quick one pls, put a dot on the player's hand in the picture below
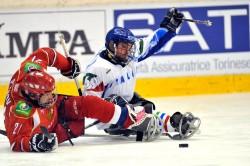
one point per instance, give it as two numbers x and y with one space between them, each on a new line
40 143
172 20
74 71
118 100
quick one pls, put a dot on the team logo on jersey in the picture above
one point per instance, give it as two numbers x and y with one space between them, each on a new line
29 66
88 77
23 109
91 81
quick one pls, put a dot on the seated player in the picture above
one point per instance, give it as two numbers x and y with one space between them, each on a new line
113 71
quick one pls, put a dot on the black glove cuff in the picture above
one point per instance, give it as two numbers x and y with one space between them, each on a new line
74 71
172 20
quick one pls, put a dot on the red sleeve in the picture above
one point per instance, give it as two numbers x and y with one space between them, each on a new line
49 57
19 130
23 121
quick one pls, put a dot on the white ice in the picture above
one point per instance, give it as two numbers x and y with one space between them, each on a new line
224 140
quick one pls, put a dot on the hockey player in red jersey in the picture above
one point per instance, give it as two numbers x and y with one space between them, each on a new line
31 104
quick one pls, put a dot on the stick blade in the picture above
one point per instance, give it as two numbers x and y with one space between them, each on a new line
3 132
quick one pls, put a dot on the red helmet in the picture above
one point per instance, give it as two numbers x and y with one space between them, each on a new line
37 83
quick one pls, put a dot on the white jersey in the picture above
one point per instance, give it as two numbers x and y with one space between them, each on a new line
103 78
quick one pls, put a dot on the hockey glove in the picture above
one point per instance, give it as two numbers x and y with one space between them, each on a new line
74 71
118 100
172 20
40 143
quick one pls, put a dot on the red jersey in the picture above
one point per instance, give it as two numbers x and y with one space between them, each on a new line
22 119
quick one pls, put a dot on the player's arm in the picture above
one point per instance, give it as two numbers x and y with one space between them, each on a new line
154 42
23 132
17 133
44 57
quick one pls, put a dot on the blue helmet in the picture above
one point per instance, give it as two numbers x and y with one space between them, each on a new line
117 35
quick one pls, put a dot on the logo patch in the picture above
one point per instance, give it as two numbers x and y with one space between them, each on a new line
29 66
88 77
23 109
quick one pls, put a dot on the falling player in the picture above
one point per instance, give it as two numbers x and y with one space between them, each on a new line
31 104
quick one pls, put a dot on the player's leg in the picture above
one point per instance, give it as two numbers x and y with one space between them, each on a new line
68 130
114 129
136 100
183 126
77 108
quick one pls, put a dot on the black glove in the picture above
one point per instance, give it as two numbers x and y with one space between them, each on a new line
118 100
40 143
172 20
74 71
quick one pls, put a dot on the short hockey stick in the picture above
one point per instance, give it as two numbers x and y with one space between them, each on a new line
205 22
62 42
3 132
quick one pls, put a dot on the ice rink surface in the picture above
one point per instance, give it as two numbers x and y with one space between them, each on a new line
224 140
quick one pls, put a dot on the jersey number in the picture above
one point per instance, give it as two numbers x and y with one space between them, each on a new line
17 128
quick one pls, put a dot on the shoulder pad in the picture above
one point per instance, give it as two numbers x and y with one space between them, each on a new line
23 109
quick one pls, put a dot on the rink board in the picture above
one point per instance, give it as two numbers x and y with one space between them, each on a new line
173 86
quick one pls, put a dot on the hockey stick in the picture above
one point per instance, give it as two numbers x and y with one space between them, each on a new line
139 135
45 131
3 132
92 124
205 22
62 42
174 137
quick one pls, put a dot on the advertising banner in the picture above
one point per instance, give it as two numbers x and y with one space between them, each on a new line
25 31
222 48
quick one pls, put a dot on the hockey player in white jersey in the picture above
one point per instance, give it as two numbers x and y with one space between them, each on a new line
112 73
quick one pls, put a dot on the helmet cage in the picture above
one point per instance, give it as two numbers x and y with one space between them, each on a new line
120 35
49 102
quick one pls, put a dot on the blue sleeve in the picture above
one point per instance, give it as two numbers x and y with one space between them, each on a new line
155 42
